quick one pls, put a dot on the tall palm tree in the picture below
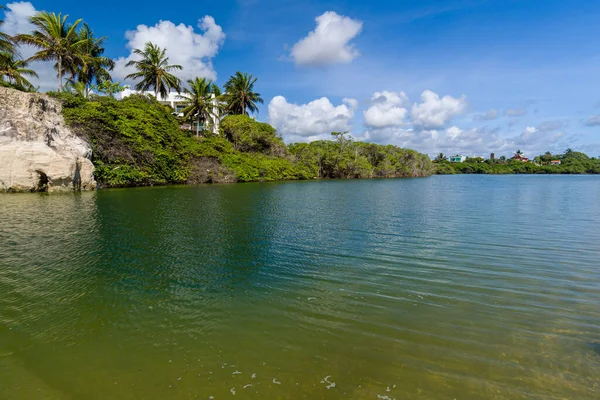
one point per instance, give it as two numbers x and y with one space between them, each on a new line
13 72
6 42
440 157
56 40
201 100
154 71
240 95
92 65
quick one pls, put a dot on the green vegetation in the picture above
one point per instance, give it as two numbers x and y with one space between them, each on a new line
240 95
571 162
345 158
199 101
137 141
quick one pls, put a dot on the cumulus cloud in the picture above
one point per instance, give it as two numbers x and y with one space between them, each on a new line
387 109
435 112
312 121
329 43
491 114
515 112
16 20
594 120
192 50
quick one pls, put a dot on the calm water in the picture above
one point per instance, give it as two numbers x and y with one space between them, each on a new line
453 287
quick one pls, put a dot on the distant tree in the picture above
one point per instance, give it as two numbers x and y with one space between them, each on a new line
440 157
518 153
200 101
110 88
502 158
153 71
14 72
240 95
56 40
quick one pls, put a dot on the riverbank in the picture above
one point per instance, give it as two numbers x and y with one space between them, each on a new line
570 163
137 141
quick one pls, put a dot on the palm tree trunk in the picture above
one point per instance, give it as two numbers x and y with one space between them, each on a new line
59 64
197 125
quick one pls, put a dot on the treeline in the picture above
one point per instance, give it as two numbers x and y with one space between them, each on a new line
137 141
571 162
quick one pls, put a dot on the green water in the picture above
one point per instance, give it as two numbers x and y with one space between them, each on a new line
452 287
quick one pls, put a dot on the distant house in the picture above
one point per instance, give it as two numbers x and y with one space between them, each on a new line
178 102
492 156
555 162
457 158
520 157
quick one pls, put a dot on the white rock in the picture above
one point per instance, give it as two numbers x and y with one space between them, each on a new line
37 150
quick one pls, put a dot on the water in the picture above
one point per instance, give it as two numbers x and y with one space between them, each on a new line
447 287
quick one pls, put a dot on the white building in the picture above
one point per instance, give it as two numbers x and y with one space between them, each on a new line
178 102
458 158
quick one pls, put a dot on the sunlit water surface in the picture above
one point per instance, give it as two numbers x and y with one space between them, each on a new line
453 287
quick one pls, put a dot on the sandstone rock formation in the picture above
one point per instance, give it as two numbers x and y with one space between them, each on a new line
38 152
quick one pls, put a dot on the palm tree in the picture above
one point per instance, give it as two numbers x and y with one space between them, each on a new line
56 40
240 95
92 65
154 71
440 157
6 43
13 72
201 100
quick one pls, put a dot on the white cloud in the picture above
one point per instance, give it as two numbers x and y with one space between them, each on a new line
16 20
386 109
435 112
547 126
530 130
311 121
193 51
491 114
329 43
593 120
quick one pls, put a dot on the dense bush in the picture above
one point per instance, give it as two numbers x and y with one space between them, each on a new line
345 158
571 163
136 141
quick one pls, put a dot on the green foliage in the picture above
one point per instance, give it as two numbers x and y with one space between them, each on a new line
154 71
345 158
13 72
109 88
572 162
248 135
240 95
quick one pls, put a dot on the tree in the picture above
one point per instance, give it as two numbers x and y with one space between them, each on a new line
13 72
153 70
200 101
440 157
6 42
110 88
240 95
56 40
518 153
91 65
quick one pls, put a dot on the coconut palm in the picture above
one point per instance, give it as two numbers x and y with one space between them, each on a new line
56 40
13 72
153 70
440 157
91 65
240 95
202 98
6 43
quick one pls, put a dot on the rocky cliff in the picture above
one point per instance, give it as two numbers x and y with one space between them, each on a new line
38 152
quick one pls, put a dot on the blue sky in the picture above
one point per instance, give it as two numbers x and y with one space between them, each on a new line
498 75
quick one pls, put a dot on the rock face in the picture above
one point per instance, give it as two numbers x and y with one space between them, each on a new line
38 152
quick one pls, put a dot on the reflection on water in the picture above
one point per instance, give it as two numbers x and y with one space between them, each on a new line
448 287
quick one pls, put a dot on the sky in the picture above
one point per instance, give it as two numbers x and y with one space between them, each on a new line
465 77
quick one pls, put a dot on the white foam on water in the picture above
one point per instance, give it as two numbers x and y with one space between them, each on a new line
312 298
253 376
236 373
329 384
247 386
232 391
275 381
